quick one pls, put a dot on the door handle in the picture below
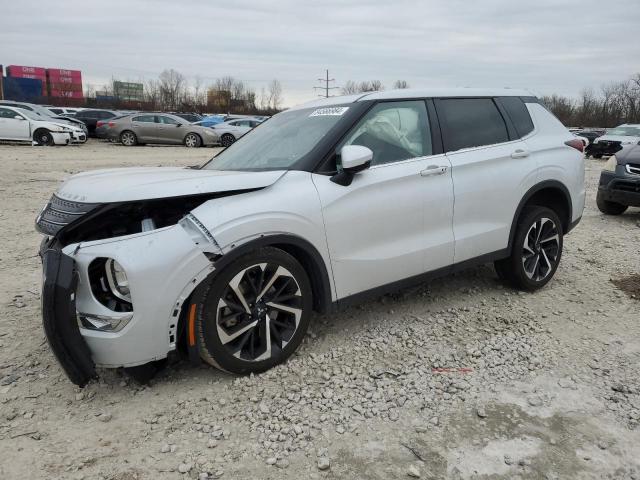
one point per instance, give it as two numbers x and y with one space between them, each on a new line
519 153
434 170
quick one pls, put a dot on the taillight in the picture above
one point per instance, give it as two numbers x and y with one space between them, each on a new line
575 143
99 123
112 124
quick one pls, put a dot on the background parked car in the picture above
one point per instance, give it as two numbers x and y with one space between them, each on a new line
162 128
188 116
91 116
210 120
26 126
230 131
590 133
64 111
44 114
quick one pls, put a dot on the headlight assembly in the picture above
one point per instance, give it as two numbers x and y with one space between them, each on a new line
611 164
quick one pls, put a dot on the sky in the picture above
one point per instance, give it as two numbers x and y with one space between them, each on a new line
546 46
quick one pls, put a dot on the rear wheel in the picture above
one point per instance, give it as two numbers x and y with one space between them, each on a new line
128 138
192 140
609 208
227 139
254 313
536 251
43 137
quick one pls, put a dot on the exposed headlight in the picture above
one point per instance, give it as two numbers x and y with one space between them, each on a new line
103 323
611 164
117 278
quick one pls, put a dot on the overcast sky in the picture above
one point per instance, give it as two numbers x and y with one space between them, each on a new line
546 46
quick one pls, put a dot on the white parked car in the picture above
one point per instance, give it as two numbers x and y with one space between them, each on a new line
323 205
21 125
232 130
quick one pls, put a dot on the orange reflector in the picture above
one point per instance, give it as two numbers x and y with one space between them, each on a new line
192 325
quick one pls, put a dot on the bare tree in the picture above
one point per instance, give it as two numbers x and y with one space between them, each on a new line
376 85
275 94
400 84
350 87
172 88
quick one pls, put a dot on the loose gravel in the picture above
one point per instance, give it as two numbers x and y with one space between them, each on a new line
459 378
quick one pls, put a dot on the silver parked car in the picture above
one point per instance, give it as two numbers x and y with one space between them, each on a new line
141 128
232 130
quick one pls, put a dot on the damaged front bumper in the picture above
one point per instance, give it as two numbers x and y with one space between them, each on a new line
59 315
163 267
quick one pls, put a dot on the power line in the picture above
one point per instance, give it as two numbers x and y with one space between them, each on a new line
326 86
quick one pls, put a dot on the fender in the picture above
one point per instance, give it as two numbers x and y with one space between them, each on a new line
530 193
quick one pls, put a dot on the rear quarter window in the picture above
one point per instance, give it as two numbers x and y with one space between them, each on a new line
471 122
519 115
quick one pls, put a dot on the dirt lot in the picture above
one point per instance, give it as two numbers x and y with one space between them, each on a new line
460 378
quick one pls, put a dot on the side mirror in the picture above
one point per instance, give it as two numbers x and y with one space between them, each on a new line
354 159
178 124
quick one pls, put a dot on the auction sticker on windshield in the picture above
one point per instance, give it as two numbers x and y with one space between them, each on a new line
334 111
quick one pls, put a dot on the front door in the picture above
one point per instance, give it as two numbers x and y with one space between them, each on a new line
12 128
395 219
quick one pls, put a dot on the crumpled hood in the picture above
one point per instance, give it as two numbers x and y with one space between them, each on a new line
145 183
617 138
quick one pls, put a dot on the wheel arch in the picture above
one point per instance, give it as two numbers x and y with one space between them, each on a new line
184 139
551 194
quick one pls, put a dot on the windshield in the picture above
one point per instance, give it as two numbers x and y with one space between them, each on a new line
628 131
30 115
279 142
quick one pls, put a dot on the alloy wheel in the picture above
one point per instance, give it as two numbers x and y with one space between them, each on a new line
191 141
128 139
259 312
541 249
227 140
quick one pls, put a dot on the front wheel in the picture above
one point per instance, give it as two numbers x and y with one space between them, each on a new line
227 139
536 250
609 208
254 313
43 137
192 140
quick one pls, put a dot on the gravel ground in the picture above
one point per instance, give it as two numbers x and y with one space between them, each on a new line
460 378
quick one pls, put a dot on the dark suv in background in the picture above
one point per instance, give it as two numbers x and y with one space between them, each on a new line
619 186
91 117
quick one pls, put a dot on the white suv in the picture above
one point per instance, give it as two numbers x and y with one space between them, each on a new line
319 206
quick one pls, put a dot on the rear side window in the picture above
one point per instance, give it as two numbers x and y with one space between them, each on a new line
519 115
471 122
145 118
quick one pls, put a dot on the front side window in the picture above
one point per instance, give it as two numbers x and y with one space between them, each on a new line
6 113
167 120
393 131
280 142
471 122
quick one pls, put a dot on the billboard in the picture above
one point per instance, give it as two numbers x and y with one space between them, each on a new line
128 91
21 89
35 73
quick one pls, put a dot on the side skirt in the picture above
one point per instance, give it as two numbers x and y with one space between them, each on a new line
360 297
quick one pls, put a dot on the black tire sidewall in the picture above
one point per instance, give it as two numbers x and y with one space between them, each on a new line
39 133
517 273
210 345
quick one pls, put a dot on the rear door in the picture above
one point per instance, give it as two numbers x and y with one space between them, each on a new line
394 220
491 169
145 126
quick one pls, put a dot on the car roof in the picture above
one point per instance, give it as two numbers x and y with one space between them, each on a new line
399 94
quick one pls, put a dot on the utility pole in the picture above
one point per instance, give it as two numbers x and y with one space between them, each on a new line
326 86
1 83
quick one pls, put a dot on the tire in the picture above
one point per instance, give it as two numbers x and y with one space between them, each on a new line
227 140
192 140
128 138
609 208
536 251
226 338
43 137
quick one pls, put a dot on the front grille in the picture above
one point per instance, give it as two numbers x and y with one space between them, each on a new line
633 168
59 213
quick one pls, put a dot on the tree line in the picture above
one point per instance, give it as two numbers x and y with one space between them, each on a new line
172 91
611 105
350 86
